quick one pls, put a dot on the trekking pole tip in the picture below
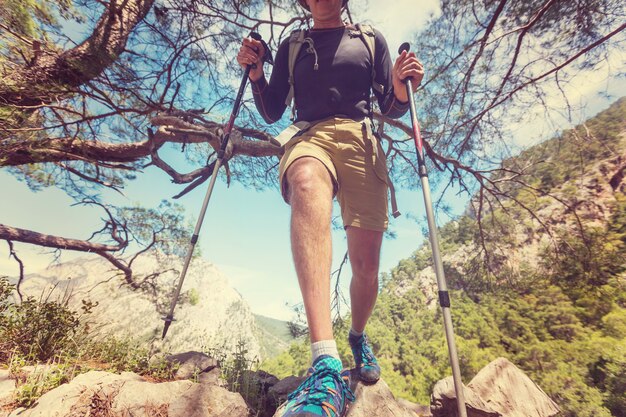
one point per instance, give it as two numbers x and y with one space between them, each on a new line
404 47
168 321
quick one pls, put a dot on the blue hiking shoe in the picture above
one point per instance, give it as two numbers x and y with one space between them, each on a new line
366 364
325 392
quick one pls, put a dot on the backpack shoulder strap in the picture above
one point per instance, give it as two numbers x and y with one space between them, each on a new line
295 44
368 36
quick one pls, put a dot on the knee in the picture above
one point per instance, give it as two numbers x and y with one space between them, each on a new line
307 180
365 270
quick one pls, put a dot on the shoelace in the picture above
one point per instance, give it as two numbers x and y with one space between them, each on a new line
367 355
317 393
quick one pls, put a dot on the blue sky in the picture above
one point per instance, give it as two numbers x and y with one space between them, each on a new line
246 233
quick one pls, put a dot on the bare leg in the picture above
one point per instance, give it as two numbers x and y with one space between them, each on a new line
364 253
310 197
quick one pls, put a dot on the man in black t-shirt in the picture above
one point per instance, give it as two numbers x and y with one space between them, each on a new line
336 155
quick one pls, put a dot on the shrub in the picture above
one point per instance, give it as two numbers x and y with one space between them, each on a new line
36 329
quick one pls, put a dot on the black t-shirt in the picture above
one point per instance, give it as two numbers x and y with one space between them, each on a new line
341 86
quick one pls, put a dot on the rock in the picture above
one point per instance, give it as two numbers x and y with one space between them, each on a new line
213 377
113 395
204 400
7 385
507 389
277 394
374 400
500 389
191 364
255 387
417 409
443 401
7 388
284 387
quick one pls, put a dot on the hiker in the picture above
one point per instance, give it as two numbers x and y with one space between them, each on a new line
330 71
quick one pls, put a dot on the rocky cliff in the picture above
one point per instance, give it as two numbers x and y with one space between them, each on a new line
211 315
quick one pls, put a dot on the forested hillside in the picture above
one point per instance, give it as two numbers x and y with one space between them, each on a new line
549 296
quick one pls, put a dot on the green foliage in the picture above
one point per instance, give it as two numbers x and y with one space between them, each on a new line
23 16
234 367
127 355
36 329
294 361
588 267
570 155
194 296
237 371
42 380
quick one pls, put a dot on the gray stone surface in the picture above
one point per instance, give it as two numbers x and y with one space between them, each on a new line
507 389
191 364
102 393
7 388
500 389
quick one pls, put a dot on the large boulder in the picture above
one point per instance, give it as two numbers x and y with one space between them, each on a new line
500 389
507 389
103 393
443 401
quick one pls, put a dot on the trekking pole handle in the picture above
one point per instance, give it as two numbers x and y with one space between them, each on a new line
242 86
256 37
267 55
417 135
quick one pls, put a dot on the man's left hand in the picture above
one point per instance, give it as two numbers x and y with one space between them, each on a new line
407 66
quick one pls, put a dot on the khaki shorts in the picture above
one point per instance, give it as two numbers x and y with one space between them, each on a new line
356 163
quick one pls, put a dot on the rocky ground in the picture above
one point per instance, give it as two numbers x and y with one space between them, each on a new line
499 390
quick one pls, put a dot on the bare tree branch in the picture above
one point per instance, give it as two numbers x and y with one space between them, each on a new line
13 254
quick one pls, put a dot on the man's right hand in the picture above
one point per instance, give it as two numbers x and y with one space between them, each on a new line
252 52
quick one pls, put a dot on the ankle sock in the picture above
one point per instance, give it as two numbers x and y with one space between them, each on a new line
354 334
324 347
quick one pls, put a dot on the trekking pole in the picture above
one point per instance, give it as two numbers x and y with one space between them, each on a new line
444 297
218 162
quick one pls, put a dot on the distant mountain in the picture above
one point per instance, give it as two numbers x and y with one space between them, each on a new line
210 316
275 336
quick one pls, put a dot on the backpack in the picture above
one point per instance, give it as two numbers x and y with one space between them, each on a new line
298 39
